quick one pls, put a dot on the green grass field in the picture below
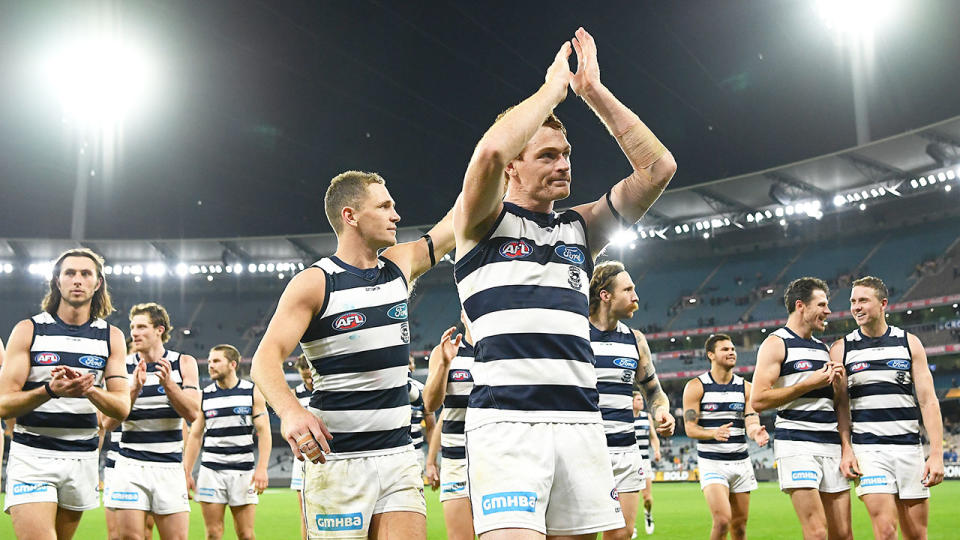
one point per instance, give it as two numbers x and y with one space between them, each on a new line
679 510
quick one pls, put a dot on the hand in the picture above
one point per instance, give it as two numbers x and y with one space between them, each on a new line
849 466
722 433
825 375
260 480
164 367
140 376
656 455
933 470
558 74
191 485
306 434
664 422
433 476
67 382
761 437
448 347
587 76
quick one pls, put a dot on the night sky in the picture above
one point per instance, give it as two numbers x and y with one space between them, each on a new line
258 104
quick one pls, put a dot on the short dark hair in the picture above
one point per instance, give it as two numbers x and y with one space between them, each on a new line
230 352
711 344
802 289
603 276
874 283
347 189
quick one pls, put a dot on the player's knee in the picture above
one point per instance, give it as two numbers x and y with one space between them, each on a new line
214 532
885 529
246 534
815 531
721 522
738 528
623 533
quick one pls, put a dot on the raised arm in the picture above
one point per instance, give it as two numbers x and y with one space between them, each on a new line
653 166
653 394
929 411
415 258
479 203
435 389
301 300
261 423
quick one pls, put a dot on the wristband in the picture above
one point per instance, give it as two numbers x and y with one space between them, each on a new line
46 386
433 257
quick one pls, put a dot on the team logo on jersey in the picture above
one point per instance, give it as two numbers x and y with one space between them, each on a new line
509 501
859 366
736 406
802 365
211 413
515 249
626 376
405 332
46 358
242 410
625 363
398 312
459 375
339 522
349 321
94 362
899 364
573 277
614 494
710 406
570 253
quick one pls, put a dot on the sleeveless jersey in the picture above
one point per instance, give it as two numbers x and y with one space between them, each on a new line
883 407
66 426
228 437
153 430
808 424
617 360
416 412
524 289
722 404
359 346
641 428
112 448
303 395
459 385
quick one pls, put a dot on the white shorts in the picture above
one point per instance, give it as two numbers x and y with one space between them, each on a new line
69 482
453 479
548 477
737 475
647 471
628 472
341 495
805 471
233 488
422 460
898 473
296 475
160 488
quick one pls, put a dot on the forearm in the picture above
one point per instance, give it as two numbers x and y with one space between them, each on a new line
639 145
20 403
435 388
434 446
442 236
114 404
696 431
264 444
506 138
933 423
655 396
775 397
184 402
751 425
267 374
191 450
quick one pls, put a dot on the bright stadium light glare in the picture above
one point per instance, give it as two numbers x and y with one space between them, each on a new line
686 228
181 269
951 175
238 268
947 188
863 207
623 237
839 201
923 182
270 267
854 17
7 268
252 268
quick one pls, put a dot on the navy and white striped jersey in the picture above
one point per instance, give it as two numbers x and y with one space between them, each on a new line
723 404
617 359
808 424
524 289
303 394
416 412
883 407
228 418
459 385
641 429
153 430
112 447
359 347
64 427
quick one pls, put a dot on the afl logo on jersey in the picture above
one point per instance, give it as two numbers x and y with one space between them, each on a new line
859 366
460 375
899 364
211 413
398 312
46 359
515 249
626 363
349 321
802 365
710 406
570 253
94 362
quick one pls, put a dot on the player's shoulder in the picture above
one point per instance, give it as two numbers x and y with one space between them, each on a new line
210 388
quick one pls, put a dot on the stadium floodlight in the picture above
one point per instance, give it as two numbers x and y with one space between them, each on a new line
856 17
699 226
706 236
300 266
181 269
194 269
252 268
789 210
779 211
209 277
922 181
942 177
678 229
261 267
7 268
137 279
749 218
686 228
156 269
914 184
107 270
623 237
270 267
280 275
950 174
947 188
863 207
204 269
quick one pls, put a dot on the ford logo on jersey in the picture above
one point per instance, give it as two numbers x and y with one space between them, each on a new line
802 365
899 364
94 362
625 363
710 406
859 366
349 321
46 358
570 253
211 413
398 312
515 249
736 406
242 410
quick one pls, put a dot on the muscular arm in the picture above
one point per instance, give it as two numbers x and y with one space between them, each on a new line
764 395
929 411
647 380
261 424
191 449
655 444
841 399
433 441
692 394
751 418
185 397
14 400
114 402
435 388
413 258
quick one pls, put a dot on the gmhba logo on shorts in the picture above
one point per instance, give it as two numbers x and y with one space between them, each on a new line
124 496
509 501
26 489
340 522
805 475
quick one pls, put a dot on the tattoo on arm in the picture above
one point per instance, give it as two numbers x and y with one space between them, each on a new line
691 415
